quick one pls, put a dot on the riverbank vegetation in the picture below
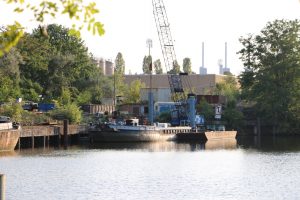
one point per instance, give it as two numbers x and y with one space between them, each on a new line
271 77
59 69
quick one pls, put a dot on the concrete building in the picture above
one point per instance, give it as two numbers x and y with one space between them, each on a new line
109 67
200 85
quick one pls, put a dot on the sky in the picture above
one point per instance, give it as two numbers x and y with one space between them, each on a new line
129 23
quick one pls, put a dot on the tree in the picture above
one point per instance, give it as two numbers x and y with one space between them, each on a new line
60 60
36 52
119 64
271 76
119 75
76 10
147 64
133 92
229 88
187 65
157 67
206 110
10 75
175 69
232 115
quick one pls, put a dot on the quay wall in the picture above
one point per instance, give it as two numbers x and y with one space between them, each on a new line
8 139
29 131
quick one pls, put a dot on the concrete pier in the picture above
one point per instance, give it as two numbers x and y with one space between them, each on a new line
43 136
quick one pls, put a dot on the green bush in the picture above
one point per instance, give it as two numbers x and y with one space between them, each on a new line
34 118
164 117
70 111
14 111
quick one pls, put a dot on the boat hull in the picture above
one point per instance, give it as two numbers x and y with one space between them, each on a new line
212 135
205 136
128 136
9 139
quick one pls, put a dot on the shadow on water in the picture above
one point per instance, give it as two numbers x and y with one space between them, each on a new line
270 144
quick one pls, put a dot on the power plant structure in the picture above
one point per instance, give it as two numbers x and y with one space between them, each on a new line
224 69
203 70
107 66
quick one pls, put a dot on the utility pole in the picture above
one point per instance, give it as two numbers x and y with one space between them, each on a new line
114 99
150 94
2 186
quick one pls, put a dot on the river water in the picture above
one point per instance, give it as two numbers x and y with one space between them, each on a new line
243 169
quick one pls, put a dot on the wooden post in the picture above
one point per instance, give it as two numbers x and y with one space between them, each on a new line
44 141
32 142
66 131
19 143
2 186
48 140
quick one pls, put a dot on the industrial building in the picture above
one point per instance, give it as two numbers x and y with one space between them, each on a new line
200 84
106 66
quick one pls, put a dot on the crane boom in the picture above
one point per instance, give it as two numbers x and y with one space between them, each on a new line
167 46
179 114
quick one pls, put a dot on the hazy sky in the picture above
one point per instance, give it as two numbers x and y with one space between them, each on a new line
129 23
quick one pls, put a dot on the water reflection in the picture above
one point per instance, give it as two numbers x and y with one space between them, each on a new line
265 144
169 146
270 144
221 144
7 153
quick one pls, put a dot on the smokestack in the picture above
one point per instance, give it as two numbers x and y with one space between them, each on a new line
202 54
225 55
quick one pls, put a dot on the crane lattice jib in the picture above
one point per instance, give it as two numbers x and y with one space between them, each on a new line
167 46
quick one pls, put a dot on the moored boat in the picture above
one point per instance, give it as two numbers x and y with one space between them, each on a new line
132 131
212 135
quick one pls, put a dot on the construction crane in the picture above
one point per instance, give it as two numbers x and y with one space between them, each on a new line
175 80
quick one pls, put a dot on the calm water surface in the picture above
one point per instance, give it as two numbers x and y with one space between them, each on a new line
247 169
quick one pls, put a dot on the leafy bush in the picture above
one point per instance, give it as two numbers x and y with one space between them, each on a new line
14 111
33 118
164 117
70 111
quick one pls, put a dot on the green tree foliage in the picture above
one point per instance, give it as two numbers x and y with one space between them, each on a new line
10 75
229 88
232 115
13 110
157 67
206 110
164 117
119 75
36 52
60 60
175 69
133 92
120 64
187 65
9 37
49 66
271 77
147 65
76 10
70 111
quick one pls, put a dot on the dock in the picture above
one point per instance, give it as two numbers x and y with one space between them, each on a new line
46 135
